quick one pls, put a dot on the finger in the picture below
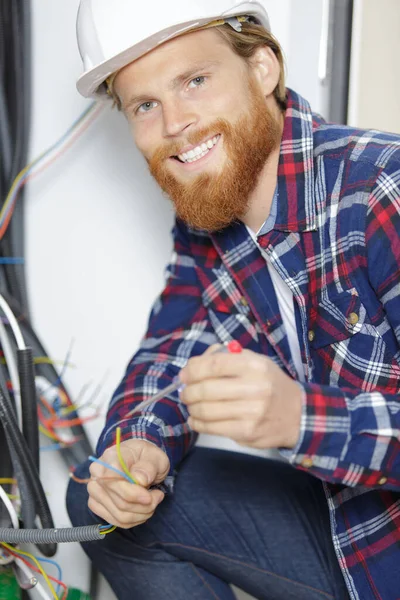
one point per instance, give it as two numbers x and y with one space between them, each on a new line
234 410
103 513
98 470
155 496
129 512
151 471
239 431
128 492
222 364
212 349
224 389
147 464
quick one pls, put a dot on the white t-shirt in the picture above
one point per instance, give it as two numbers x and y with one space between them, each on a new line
286 308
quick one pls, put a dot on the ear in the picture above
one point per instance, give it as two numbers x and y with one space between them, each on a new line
266 69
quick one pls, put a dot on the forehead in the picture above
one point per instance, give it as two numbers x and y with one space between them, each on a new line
177 54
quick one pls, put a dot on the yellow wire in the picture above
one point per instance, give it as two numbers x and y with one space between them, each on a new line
45 360
109 530
5 480
121 458
48 434
14 185
69 409
39 566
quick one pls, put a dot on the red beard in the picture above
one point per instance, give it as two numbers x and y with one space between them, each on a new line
213 201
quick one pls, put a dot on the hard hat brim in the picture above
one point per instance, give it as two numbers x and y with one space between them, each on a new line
90 83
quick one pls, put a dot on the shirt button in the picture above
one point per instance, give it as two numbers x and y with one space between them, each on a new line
382 481
307 462
353 318
311 335
243 301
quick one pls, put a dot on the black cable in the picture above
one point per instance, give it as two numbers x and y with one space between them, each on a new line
30 426
14 238
6 466
14 469
18 89
79 452
18 446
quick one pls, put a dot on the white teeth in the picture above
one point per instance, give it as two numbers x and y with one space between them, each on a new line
199 151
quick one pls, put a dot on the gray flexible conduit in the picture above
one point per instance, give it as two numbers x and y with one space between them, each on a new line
89 533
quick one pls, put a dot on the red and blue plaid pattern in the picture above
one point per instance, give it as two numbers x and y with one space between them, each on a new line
336 244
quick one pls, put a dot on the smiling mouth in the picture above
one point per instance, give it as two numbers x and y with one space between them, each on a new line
198 152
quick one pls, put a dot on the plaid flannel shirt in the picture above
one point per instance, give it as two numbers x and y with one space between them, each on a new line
335 242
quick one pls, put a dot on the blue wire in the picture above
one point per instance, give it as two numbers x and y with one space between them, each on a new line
93 459
105 527
53 562
51 447
46 153
9 260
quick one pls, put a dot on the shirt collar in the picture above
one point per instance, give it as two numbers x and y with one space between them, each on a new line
296 209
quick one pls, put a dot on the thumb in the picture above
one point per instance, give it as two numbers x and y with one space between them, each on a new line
144 472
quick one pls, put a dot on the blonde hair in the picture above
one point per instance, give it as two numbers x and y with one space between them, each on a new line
245 44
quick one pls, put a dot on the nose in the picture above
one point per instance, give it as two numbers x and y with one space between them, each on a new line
177 117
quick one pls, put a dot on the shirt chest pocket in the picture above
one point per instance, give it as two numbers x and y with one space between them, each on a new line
349 348
335 319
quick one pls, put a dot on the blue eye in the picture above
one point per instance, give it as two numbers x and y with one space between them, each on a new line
146 106
198 81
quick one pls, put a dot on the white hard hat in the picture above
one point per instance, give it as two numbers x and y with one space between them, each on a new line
113 33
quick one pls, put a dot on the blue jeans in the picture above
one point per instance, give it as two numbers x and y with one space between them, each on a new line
256 523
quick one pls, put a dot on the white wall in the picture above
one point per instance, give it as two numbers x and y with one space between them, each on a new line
97 226
374 73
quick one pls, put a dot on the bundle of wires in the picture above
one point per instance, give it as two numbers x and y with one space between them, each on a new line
62 535
20 345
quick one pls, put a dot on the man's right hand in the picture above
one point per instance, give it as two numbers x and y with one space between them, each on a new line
116 500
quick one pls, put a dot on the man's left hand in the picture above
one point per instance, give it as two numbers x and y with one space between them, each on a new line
244 396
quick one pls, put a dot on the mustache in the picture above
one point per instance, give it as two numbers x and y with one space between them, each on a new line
194 139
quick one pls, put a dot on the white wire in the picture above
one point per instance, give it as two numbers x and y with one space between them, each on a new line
12 367
9 506
38 587
13 323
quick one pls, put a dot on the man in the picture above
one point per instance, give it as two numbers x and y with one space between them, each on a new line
286 241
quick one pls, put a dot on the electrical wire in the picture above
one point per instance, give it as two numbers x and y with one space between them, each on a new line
12 368
61 146
13 550
104 464
121 458
10 508
13 323
78 452
27 569
57 566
